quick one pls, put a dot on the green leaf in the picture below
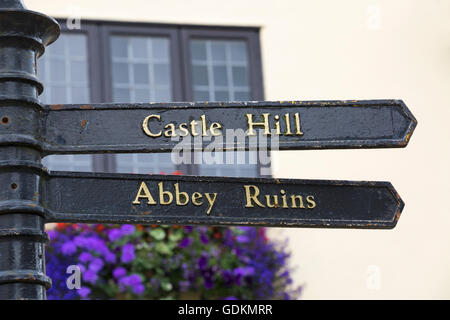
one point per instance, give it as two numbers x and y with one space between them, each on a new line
163 248
166 285
175 236
157 233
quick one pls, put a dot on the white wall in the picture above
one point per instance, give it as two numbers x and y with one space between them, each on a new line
343 50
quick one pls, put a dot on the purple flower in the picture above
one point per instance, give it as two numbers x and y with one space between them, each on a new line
231 298
85 257
79 241
110 257
82 267
90 276
132 281
204 239
68 248
244 271
242 239
184 285
52 234
96 265
114 234
127 253
202 262
119 272
227 276
127 229
186 242
84 292
138 289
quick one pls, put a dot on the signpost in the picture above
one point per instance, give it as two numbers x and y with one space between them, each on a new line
31 196
158 127
185 200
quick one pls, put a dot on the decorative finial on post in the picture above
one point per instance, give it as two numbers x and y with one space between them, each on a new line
11 4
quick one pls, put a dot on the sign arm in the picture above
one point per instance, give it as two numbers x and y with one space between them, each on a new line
187 200
159 127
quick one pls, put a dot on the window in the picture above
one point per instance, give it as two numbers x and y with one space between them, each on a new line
134 62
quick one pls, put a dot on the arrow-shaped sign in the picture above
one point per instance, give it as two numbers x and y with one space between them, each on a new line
160 127
184 200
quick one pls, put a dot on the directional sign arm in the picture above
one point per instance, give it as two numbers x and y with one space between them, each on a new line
159 199
297 125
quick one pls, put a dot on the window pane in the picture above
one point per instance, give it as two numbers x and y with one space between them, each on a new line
162 74
200 74
200 95
141 73
198 50
222 95
135 68
238 51
119 47
240 76
120 72
220 76
219 67
139 48
64 71
160 49
218 51
220 73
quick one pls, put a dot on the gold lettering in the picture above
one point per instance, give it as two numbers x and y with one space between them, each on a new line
272 205
277 124
204 127
251 124
287 120
143 192
297 124
178 194
294 204
193 131
163 193
147 129
183 129
214 126
283 197
311 202
252 197
211 201
196 196
170 132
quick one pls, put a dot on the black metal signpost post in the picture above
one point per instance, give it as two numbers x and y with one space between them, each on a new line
30 196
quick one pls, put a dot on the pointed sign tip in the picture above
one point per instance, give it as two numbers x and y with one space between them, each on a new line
412 122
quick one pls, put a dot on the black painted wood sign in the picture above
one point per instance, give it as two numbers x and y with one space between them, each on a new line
30 196
295 125
187 200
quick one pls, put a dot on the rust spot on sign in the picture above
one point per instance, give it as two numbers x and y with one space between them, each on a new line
56 106
86 107
83 123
